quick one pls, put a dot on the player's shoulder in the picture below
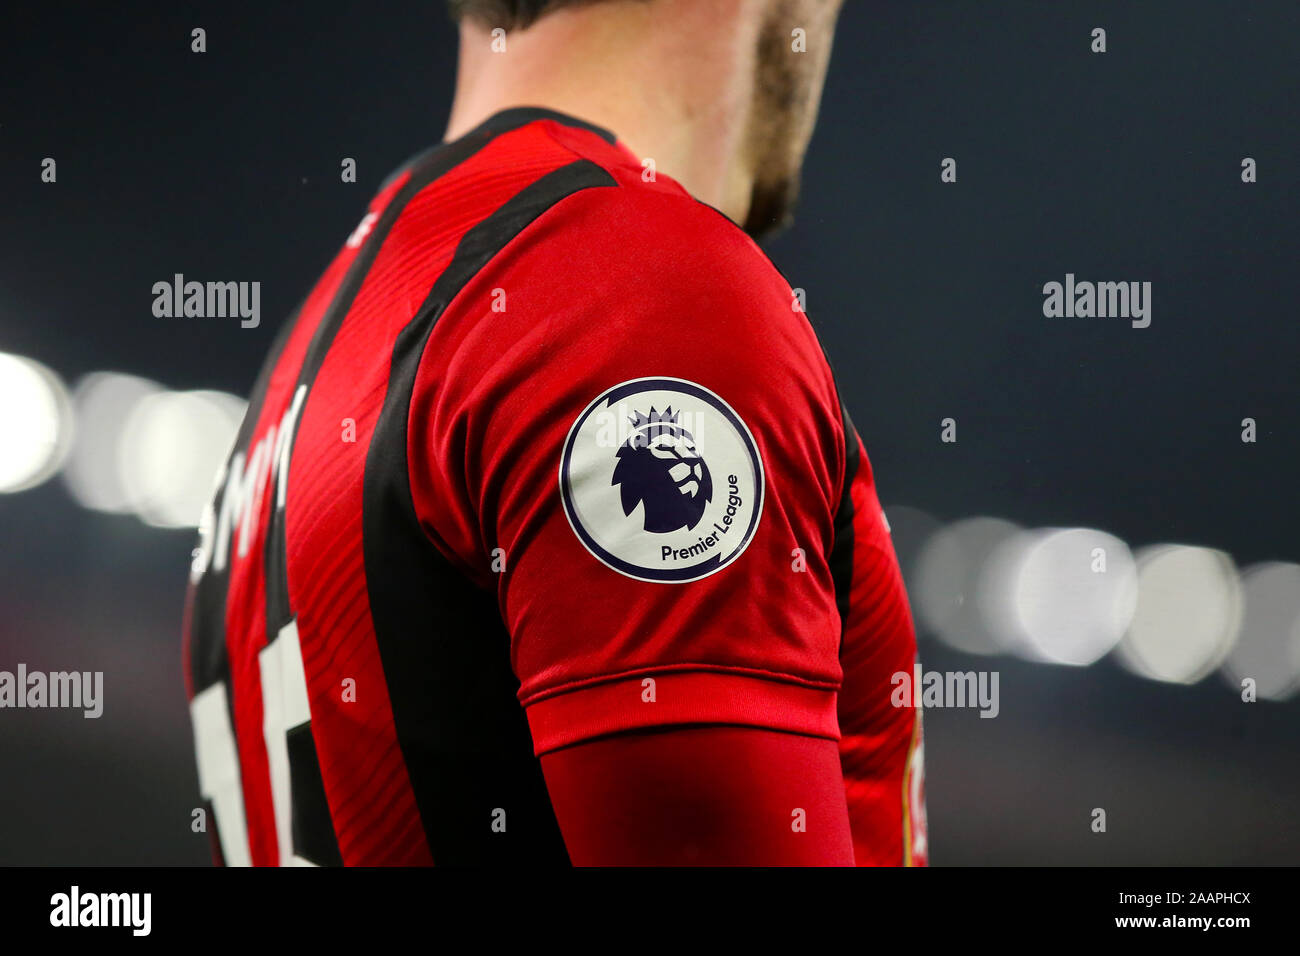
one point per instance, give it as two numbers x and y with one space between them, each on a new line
660 224
644 212
638 245
626 265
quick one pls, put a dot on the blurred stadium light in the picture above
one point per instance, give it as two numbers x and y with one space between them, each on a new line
39 423
1172 613
103 402
169 450
1188 615
1268 650
146 450
1074 593
954 591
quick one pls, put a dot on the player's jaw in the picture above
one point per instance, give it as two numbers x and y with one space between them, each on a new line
790 70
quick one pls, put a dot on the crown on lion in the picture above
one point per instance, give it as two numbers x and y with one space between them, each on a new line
647 428
666 417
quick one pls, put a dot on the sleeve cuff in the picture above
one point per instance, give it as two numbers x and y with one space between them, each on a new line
691 697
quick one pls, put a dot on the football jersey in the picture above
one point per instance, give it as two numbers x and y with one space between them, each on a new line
550 452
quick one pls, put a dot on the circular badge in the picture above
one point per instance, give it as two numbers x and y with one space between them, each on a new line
661 480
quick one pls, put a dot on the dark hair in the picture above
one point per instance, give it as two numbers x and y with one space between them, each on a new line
507 14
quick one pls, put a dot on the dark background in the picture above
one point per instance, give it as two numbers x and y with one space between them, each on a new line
928 297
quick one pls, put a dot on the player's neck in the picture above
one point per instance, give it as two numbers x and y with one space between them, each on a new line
667 78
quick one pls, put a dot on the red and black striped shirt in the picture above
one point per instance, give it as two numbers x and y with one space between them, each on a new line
549 453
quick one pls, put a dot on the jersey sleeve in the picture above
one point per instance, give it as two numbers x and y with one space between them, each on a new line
640 448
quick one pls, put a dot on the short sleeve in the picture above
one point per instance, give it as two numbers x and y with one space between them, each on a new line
646 443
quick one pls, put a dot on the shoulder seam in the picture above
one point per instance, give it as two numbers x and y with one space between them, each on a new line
577 156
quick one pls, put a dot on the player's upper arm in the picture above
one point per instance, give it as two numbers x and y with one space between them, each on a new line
645 438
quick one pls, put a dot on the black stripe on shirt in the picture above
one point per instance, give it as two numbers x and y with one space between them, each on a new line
842 550
445 650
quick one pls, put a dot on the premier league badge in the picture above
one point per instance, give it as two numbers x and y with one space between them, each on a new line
661 480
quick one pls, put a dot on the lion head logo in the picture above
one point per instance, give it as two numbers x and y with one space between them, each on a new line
660 467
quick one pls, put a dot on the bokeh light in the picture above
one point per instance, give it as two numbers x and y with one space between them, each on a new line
1074 594
38 423
1268 650
1188 613
169 451
953 585
103 402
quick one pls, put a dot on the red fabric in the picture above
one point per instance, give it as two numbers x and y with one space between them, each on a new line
621 283
681 695
681 293
712 796
611 284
